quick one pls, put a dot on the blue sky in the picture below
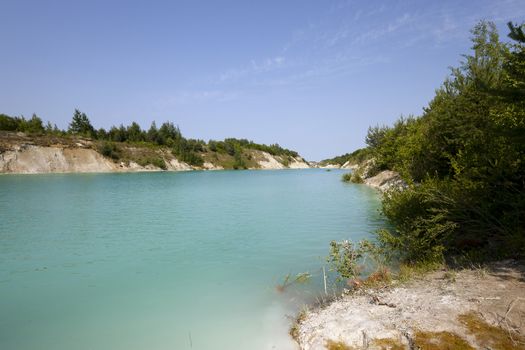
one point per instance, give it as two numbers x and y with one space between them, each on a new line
310 75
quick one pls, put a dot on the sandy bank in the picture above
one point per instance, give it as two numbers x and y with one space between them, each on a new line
22 154
443 301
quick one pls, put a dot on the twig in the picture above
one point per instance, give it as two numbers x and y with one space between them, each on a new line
324 279
505 320
376 300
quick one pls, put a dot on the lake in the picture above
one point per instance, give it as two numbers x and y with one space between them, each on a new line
186 260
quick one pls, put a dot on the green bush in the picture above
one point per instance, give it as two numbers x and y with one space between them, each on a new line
110 150
464 159
156 161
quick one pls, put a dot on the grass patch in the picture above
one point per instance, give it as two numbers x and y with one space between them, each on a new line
388 344
410 271
491 337
440 341
337 345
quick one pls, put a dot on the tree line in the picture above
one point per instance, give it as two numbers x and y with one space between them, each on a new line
168 134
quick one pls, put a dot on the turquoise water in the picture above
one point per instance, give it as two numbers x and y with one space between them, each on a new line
167 260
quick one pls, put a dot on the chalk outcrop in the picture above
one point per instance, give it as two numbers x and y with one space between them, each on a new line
330 166
349 165
298 163
29 159
367 173
23 154
268 161
386 180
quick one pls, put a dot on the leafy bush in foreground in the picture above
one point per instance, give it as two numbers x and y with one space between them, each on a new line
464 158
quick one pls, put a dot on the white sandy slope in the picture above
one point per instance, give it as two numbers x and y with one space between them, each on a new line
31 159
276 162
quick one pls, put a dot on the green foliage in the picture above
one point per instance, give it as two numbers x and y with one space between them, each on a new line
344 258
80 124
109 149
464 158
349 261
186 150
135 133
229 146
288 280
347 177
239 162
357 157
156 161
353 177
32 126
8 123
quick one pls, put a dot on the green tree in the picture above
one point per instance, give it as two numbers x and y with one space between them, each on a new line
466 154
153 133
80 124
33 125
9 123
135 133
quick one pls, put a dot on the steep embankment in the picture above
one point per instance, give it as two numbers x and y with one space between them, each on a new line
21 154
367 173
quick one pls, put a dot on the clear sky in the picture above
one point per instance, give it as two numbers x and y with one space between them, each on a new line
309 75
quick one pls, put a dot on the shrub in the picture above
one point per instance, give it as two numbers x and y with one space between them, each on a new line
156 161
110 150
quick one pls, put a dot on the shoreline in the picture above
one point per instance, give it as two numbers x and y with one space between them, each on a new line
154 171
25 155
477 308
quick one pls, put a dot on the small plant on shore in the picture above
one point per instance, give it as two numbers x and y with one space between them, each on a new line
409 271
345 259
349 260
294 328
353 177
357 178
289 280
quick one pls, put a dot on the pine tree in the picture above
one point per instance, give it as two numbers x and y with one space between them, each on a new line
80 124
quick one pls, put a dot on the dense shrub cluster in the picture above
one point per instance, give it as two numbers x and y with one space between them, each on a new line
34 125
464 158
230 145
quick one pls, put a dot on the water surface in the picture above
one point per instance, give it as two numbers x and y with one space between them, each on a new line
167 260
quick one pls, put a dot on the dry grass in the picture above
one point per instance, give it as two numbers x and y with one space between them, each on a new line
294 328
388 344
440 341
488 336
337 345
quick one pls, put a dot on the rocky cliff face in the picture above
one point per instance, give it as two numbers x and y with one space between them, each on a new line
268 161
386 180
20 154
29 159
